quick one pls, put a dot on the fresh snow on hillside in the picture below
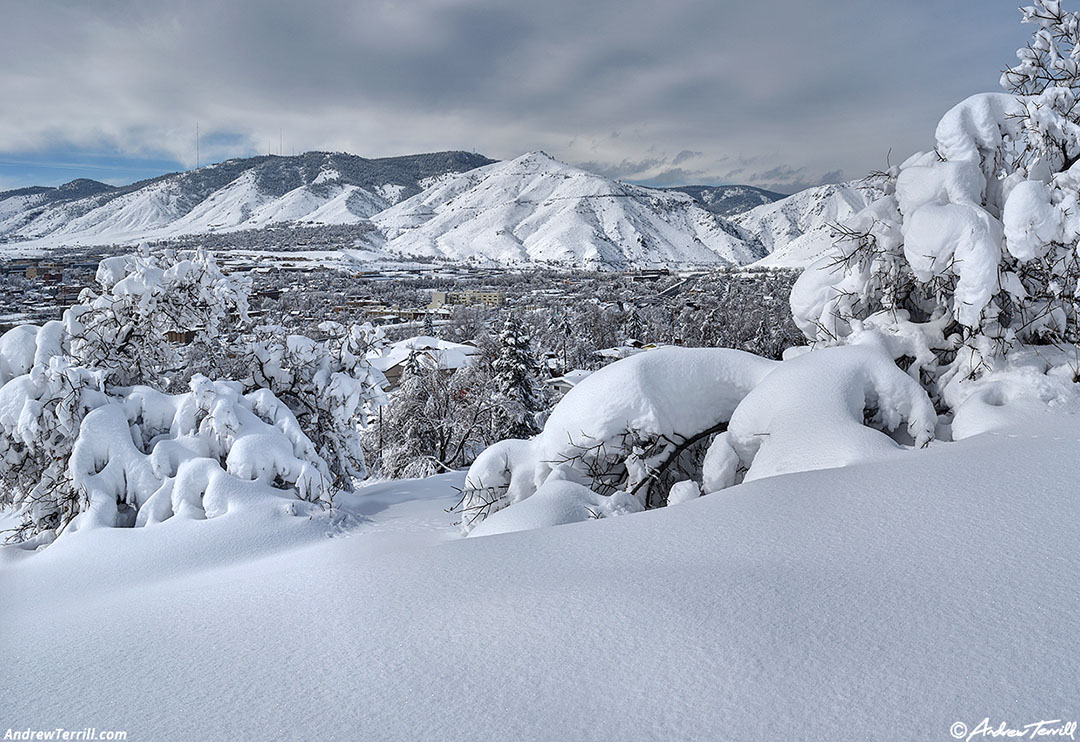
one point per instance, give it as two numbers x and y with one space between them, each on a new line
537 209
452 206
795 231
728 200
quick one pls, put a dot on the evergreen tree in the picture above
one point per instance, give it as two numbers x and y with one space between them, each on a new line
517 374
632 328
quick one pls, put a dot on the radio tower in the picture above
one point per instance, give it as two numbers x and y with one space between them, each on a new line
196 145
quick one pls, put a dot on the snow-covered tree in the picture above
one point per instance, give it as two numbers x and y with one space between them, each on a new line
157 319
41 414
329 385
521 396
1047 76
435 421
88 436
631 325
973 248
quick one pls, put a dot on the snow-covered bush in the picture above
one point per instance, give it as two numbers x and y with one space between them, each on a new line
662 427
74 455
149 456
822 409
635 426
41 414
89 436
330 386
973 248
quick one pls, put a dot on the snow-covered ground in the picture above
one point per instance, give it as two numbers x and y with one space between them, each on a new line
885 600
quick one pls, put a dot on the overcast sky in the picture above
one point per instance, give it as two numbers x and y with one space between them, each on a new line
781 94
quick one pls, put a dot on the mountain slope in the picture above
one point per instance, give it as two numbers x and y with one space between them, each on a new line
321 187
537 209
794 231
728 200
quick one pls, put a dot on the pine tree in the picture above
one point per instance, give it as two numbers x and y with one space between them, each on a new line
517 373
632 329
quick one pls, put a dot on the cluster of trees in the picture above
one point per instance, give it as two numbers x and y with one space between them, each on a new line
438 420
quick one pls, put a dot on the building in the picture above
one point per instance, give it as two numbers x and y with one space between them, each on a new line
441 299
562 384
432 352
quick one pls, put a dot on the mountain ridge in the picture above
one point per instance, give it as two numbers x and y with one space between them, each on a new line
454 206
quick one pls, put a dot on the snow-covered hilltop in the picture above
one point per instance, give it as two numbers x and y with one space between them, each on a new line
452 206
795 231
316 187
537 209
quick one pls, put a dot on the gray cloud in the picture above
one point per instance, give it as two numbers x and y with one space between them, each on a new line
737 91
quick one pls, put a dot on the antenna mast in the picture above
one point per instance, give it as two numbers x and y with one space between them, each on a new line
196 145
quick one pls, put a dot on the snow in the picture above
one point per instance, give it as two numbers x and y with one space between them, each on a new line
808 413
530 209
17 348
885 600
557 502
977 125
534 208
447 355
1031 222
683 491
597 434
797 229
182 204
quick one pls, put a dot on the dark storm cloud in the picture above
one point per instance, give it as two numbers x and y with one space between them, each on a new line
636 89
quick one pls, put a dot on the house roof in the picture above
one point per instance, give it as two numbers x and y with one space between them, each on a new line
448 355
570 378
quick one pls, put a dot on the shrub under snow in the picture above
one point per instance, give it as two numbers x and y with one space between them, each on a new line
640 427
624 428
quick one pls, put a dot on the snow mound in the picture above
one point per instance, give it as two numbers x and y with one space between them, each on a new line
17 348
556 503
809 414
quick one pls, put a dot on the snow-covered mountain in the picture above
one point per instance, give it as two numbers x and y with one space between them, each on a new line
453 206
537 209
796 230
315 187
728 200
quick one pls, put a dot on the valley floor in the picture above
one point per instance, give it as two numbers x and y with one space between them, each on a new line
887 600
